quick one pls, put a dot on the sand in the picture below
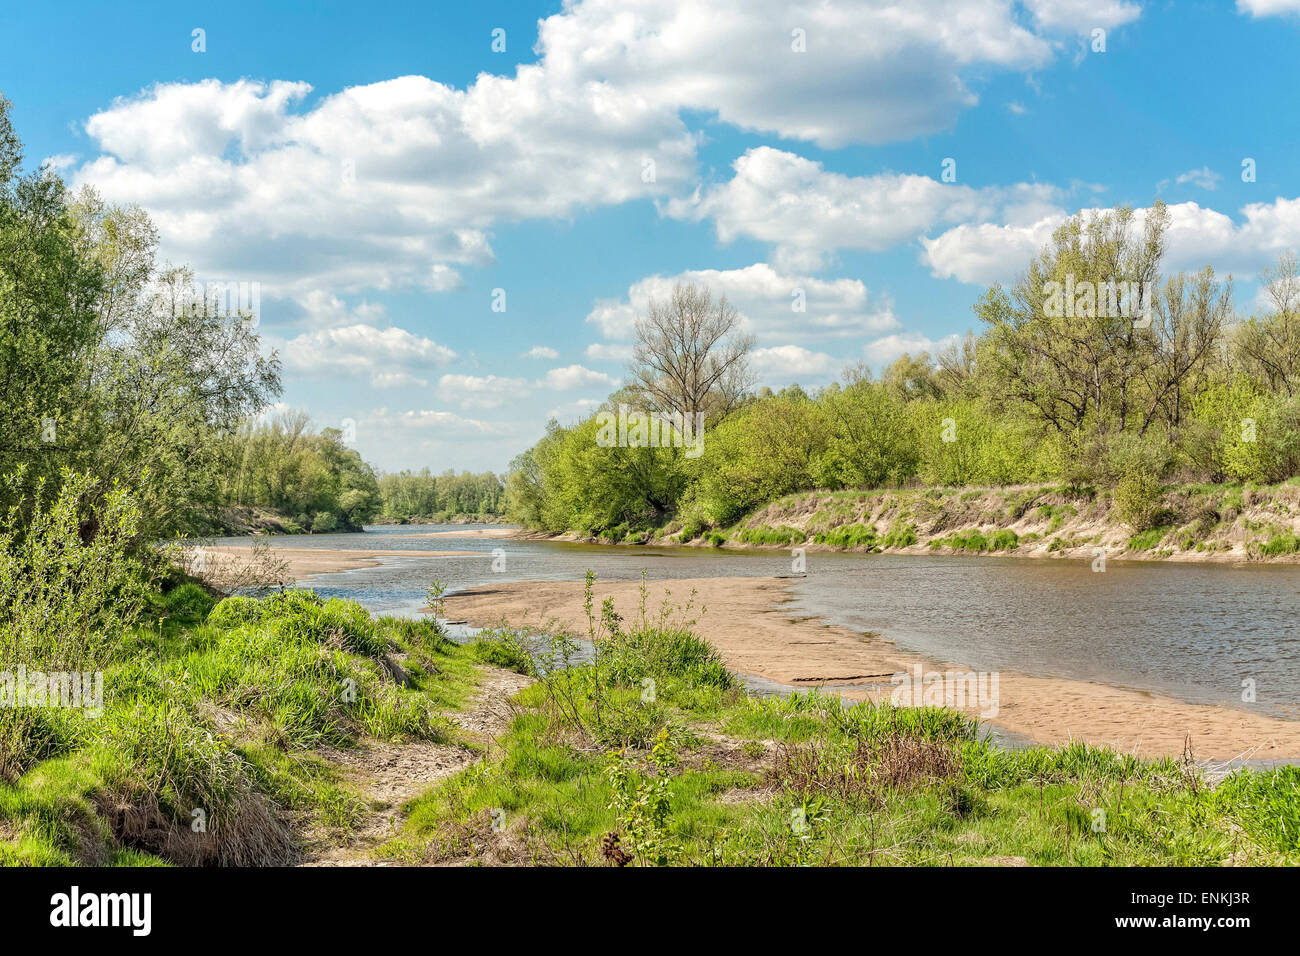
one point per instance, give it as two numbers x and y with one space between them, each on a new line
305 562
746 621
468 533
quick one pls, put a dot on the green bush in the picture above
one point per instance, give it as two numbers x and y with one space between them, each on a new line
1138 498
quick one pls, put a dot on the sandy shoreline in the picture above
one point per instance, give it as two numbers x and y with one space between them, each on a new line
305 562
745 619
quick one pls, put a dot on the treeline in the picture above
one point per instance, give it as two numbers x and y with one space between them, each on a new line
314 482
422 494
309 477
1140 376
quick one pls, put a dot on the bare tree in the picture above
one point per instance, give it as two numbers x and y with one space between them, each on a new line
690 356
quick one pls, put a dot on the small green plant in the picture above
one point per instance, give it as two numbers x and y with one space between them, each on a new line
643 806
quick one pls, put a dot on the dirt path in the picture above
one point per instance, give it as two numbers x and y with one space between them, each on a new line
388 775
745 620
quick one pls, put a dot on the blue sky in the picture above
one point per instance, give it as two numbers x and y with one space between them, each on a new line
380 171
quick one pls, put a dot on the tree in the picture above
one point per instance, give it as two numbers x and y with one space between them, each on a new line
1269 345
1066 342
690 356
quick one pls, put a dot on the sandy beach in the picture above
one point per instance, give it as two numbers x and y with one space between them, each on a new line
746 620
304 562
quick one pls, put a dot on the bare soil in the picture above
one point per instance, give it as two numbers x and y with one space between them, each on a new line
388 776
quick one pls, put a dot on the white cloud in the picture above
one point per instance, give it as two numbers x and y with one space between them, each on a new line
541 352
398 183
489 391
1082 16
1197 237
765 299
787 360
574 376
494 391
388 357
395 183
807 212
394 439
1205 178
884 350
1268 8
985 253
873 71
608 352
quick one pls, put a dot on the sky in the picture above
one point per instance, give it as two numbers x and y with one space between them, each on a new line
453 213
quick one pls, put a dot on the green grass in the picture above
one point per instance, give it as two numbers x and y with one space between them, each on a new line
766 535
1147 540
1004 539
849 536
213 716
1285 543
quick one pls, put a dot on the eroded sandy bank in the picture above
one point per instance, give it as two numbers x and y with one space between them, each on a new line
746 620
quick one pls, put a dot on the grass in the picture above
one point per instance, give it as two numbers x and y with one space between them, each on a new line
1285 543
206 751
852 536
1004 539
1147 540
595 772
766 535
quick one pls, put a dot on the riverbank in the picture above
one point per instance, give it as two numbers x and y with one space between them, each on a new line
301 563
745 619
1199 523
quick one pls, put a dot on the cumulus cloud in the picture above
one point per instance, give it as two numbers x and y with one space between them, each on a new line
399 183
608 352
542 352
487 391
1268 8
495 391
788 360
388 357
884 350
767 301
1197 237
871 71
1082 16
807 212
574 376
390 184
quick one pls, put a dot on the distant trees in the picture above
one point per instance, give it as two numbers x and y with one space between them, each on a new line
283 465
422 494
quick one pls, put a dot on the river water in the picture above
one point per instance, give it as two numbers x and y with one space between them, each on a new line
1193 631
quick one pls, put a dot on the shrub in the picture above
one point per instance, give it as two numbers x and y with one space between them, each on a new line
66 596
1138 499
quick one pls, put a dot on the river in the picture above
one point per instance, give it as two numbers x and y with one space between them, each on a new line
1192 631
